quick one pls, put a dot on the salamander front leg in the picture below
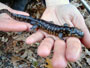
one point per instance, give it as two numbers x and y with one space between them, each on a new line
34 28
61 36
66 24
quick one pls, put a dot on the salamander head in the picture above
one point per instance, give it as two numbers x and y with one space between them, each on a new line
76 32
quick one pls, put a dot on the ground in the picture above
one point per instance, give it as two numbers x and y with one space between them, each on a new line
15 53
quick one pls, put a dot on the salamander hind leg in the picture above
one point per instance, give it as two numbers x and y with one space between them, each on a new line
34 28
61 36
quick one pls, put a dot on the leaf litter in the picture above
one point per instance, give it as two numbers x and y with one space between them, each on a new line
15 53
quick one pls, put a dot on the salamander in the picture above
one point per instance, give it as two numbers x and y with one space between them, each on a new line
60 31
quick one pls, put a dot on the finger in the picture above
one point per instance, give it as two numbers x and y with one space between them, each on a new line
35 37
79 22
45 47
11 25
73 49
58 60
3 6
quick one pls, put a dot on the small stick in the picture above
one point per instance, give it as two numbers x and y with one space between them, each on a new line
86 5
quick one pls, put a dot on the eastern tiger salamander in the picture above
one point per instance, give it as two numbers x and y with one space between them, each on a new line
60 31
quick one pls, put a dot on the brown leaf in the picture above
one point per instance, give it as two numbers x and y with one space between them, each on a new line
48 63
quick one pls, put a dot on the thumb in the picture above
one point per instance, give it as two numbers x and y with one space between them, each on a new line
79 22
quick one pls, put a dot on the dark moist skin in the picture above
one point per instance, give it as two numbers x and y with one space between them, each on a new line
60 31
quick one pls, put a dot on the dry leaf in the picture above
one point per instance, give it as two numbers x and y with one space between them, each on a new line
48 63
88 60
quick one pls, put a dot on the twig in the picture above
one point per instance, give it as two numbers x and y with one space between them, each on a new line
86 5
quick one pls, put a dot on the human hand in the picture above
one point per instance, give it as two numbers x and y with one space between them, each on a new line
63 51
9 24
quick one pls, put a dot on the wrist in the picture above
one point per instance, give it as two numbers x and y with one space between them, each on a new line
56 2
